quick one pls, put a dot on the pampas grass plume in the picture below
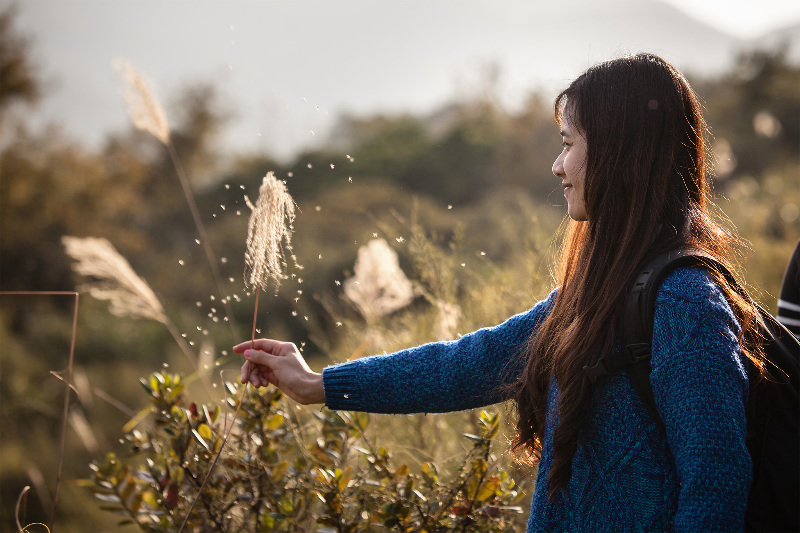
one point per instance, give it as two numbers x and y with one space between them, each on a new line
144 109
269 234
379 286
112 278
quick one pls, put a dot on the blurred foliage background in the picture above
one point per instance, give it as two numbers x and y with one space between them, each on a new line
464 195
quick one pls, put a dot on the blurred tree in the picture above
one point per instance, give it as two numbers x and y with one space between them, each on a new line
18 80
530 144
202 115
754 111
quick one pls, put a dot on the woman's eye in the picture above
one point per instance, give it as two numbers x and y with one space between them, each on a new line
565 144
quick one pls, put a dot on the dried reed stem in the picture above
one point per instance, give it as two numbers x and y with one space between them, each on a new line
148 115
269 232
227 432
201 230
65 411
225 429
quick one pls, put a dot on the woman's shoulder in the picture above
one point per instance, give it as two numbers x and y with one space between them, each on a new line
690 295
691 284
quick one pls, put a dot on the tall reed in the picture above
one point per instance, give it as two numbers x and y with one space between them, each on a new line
148 115
110 277
269 236
68 385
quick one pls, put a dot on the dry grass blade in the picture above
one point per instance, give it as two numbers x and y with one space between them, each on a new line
269 234
143 107
113 279
65 411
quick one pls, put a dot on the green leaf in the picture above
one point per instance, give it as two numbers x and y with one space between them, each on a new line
480 467
361 420
146 476
275 421
146 385
488 489
472 486
287 506
136 503
343 478
279 470
200 440
429 473
205 431
107 497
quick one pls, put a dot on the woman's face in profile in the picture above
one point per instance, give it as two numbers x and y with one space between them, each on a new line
570 166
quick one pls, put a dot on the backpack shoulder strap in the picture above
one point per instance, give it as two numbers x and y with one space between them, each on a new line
636 331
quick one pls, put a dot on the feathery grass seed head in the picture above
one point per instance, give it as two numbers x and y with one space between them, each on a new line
379 286
112 278
269 234
144 109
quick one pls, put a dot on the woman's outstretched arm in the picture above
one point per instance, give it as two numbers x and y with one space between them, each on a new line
438 377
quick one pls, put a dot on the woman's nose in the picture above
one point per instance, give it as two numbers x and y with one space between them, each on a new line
558 167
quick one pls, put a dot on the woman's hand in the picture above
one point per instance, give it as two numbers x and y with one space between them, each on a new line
280 363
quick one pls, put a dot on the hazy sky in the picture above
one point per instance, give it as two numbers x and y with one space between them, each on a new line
742 18
288 68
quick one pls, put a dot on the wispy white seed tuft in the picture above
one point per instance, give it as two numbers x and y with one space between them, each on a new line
269 234
144 109
112 278
379 286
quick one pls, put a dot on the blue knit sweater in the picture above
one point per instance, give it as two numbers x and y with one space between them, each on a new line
626 474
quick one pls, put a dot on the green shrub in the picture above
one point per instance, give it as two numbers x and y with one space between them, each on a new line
291 471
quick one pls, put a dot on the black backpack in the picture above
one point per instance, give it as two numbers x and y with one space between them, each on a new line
773 405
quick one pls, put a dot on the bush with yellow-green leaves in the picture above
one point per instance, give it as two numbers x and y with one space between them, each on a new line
285 469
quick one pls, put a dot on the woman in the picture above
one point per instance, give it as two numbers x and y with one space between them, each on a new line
633 172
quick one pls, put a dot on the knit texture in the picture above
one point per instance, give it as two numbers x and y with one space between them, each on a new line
626 474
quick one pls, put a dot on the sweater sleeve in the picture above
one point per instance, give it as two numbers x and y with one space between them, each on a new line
470 372
700 385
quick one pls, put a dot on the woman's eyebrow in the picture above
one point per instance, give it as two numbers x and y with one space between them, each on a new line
564 133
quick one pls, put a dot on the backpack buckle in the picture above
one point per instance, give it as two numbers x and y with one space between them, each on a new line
597 371
637 352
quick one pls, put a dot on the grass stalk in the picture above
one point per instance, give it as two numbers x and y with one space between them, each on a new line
226 429
68 385
201 230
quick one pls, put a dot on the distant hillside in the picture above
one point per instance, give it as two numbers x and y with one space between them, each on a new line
279 63
789 35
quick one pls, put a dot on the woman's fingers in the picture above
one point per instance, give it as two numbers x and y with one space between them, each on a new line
256 375
245 372
279 363
266 345
257 357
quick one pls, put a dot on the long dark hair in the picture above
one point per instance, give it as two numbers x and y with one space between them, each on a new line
646 192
